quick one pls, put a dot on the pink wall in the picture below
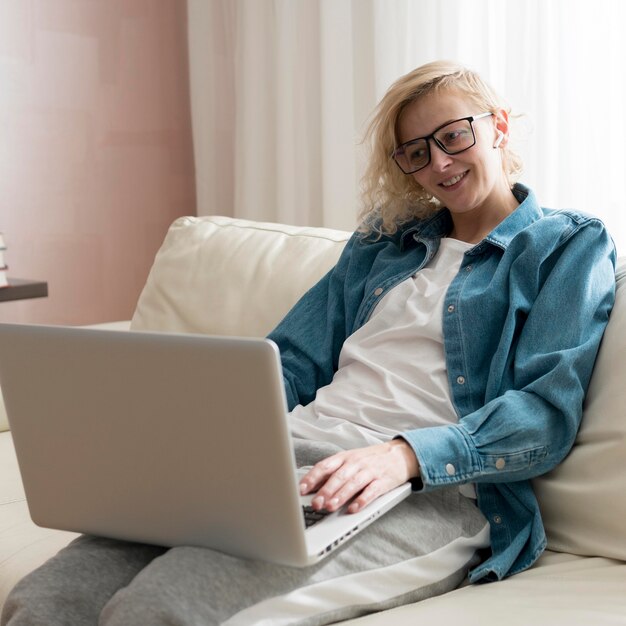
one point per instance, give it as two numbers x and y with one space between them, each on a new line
96 156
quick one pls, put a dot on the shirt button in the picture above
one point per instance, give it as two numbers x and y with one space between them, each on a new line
451 308
460 380
468 268
450 469
497 519
378 291
500 463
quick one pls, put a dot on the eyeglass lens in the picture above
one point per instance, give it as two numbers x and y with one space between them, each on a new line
452 138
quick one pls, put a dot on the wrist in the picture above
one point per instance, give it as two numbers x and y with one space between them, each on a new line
410 459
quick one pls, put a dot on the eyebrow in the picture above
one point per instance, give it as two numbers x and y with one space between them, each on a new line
452 119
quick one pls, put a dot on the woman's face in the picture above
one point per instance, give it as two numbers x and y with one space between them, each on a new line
471 180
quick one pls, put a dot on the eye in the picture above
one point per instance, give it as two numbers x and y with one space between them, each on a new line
455 136
415 153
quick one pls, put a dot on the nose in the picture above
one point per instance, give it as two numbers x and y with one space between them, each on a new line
439 160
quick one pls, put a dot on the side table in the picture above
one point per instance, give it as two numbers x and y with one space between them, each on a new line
20 289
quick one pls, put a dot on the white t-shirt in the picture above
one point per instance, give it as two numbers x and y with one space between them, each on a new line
392 371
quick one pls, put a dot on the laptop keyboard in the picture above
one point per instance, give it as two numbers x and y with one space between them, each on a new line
311 516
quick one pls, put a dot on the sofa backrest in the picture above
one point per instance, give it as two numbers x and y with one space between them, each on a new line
222 276
583 501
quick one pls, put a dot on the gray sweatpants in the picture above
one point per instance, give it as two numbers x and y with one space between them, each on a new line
422 548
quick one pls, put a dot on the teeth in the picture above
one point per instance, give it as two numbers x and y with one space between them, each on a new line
453 181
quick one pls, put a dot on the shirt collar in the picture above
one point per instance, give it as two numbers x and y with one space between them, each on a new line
524 215
435 226
440 224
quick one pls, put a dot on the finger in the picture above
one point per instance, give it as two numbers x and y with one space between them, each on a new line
339 487
351 484
373 490
319 474
344 474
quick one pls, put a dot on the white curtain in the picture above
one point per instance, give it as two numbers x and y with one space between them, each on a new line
282 90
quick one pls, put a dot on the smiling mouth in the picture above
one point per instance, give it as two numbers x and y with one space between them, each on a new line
453 181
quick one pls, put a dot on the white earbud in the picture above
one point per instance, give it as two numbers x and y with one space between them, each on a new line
499 139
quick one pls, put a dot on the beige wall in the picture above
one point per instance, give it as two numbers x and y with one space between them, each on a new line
96 155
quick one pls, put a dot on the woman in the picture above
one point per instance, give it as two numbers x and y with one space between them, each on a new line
451 345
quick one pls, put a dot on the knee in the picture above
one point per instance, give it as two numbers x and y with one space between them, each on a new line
27 606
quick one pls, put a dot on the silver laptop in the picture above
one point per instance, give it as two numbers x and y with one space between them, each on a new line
167 439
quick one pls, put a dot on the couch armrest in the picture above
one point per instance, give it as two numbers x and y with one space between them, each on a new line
125 325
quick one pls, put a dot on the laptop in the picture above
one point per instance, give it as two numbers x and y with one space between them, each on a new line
168 439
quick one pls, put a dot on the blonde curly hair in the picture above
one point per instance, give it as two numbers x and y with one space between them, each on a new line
392 198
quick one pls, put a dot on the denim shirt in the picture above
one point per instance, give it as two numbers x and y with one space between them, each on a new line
522 323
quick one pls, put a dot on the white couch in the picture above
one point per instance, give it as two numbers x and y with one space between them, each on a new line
217 275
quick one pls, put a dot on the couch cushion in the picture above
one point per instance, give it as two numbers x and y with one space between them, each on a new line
560 590
206 263
583 501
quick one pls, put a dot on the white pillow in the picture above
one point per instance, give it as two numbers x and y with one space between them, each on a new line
583 501
225 276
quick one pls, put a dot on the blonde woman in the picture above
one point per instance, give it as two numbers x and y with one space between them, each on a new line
451 345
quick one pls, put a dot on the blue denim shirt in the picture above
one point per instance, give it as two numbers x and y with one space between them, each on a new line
522 323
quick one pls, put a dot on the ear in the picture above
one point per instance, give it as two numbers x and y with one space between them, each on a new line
501 127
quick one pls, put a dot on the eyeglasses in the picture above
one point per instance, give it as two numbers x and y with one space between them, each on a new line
451 137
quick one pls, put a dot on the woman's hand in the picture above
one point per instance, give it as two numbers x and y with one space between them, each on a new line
364 472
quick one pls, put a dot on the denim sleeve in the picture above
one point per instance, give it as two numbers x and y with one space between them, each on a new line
310 336
531 426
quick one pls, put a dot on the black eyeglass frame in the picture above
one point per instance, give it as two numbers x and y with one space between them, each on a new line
470 119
